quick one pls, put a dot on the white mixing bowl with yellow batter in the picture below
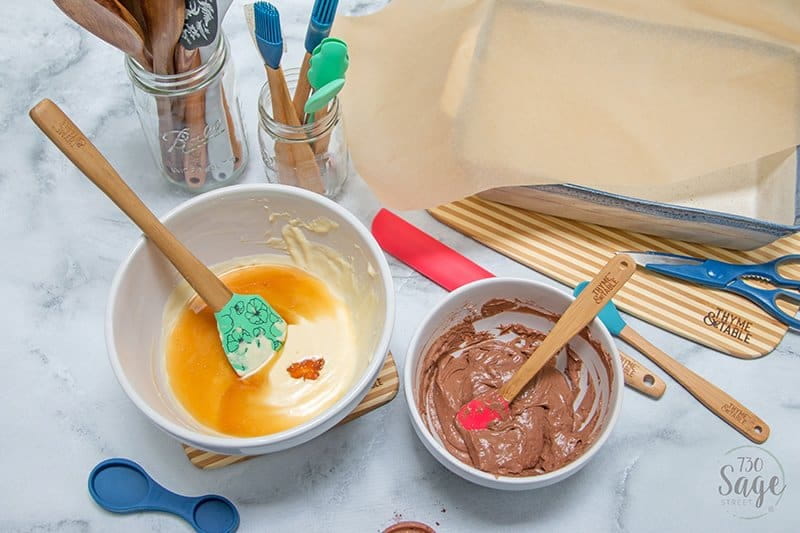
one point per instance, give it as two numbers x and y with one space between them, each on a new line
295 226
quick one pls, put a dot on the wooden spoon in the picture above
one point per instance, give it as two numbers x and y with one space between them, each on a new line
251 332
134 7
110 21
480 412
164 20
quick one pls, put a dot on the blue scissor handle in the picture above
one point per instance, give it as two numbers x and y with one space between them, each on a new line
719 274
767 299
725 273
122 486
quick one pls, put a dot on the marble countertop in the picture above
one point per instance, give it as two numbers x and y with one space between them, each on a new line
63 411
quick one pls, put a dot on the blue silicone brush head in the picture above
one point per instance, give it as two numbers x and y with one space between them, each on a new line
321 21
268 33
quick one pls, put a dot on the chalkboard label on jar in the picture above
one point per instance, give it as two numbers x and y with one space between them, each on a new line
200 23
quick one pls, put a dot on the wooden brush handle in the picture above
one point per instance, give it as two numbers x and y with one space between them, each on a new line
715 399
305 162
585 307
303 88
639 377
74 144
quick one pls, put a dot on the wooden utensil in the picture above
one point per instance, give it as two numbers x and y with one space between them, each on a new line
193 112
715 399
641 378
110 21
134 7
451 270
247 321
164 20
718 401
480 412
305 163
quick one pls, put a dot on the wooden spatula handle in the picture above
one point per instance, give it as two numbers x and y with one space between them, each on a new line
639 377
714 398
585 307
70 140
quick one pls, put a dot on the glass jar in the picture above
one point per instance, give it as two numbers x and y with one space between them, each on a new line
313 156
191 120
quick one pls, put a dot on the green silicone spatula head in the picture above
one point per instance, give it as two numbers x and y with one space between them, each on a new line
329 62
320 98
250 330
609 315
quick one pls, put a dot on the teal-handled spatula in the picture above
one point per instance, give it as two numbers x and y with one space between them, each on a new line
715 399
250 330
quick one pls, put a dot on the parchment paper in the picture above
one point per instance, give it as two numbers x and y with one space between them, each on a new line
448 98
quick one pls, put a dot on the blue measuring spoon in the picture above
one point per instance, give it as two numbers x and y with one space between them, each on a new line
122 486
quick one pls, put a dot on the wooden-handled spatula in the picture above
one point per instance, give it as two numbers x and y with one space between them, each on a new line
250 330
480 412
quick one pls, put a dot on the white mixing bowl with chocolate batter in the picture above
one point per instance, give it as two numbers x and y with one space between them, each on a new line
473 341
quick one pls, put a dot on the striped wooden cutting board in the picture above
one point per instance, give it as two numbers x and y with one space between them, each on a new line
571 252
382 392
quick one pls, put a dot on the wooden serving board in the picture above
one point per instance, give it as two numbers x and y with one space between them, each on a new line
382 392
571 252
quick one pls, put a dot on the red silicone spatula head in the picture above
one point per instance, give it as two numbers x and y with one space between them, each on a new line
479 412
439 263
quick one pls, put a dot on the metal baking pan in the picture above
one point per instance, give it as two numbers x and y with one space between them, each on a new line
644 216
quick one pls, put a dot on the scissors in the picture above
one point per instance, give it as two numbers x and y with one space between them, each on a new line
730 277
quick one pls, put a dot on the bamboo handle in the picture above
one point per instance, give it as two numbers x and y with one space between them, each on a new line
714 398
84 155
639 377
236 145
303 88
585 307
283 153
321 146
304 160
195 160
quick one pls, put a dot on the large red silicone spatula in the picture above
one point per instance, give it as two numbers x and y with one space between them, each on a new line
449 269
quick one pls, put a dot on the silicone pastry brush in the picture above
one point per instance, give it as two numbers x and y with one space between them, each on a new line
715 399
450 270
319 27
270 45
479 412
250 330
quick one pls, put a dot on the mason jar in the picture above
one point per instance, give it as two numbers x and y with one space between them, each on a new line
313 156
191 120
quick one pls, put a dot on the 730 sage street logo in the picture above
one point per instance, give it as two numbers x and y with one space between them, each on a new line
751 482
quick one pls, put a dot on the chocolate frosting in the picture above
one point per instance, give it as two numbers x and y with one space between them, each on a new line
546 428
